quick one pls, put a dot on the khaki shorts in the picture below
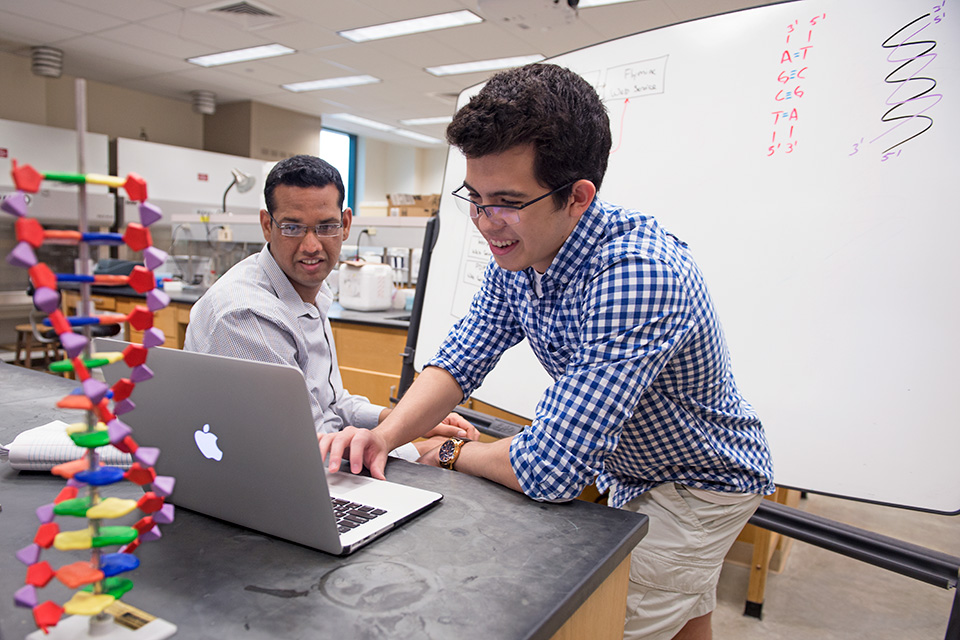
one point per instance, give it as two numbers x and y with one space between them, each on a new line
675 568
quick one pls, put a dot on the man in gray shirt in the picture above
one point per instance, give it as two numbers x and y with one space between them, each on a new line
273 305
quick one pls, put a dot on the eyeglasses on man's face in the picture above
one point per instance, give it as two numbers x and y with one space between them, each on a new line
295 230
504 213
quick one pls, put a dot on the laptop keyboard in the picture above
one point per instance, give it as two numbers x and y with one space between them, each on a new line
353 514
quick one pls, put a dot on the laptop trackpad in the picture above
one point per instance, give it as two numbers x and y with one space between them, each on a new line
343 482
375 492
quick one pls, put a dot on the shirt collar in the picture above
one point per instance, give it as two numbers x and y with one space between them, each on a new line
585 236
285 291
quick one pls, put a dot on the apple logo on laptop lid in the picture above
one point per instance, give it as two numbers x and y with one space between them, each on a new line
207 443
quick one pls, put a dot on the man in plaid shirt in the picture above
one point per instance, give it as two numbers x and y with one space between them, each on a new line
643 403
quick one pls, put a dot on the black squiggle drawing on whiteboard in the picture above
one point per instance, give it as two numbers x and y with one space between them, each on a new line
907 81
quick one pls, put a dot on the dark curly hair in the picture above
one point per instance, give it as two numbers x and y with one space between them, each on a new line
545 105
302 171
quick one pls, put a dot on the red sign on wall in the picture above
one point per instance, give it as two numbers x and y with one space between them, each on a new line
202 177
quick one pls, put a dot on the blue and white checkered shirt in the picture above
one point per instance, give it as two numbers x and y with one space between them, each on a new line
643 393
253 312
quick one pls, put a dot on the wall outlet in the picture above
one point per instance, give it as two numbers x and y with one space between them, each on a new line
225 234
371 231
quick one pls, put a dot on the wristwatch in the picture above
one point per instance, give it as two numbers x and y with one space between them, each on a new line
450 451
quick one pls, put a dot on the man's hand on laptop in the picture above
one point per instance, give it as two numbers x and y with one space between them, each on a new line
367 448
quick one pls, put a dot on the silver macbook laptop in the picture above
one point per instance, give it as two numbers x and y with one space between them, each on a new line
238 436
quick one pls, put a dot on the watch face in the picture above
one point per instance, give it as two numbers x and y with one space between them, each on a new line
446 451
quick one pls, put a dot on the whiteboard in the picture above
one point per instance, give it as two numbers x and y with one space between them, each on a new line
807 153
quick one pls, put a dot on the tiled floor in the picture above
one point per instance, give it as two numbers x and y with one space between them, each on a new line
821 595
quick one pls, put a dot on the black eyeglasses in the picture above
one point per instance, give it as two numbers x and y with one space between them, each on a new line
505 213
294 230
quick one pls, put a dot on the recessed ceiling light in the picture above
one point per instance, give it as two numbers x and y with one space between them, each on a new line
416 122
330 83
416 25
242 55
483 65
417 136
373 124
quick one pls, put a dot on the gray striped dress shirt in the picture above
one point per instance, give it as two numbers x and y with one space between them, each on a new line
253 312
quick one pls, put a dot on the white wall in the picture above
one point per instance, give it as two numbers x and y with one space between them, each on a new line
430 167
111 110
392 168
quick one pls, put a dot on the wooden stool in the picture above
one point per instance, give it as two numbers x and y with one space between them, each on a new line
25 340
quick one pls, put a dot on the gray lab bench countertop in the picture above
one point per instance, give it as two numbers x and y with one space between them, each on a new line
487 562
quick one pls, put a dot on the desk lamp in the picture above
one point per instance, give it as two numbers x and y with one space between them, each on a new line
243 181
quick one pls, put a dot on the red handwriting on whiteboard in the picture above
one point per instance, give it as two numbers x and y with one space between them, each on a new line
794 70
623 117
913 86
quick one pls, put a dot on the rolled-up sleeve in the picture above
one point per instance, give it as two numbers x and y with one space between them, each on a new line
474 346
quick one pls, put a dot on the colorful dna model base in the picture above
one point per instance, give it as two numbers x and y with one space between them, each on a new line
100 580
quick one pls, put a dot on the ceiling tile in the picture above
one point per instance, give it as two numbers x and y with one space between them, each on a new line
30 31
316 66
368 59
393 10
693 9
333 16
270 72
161 42
215 34
124 9
63 14
228 87
633 17
302 35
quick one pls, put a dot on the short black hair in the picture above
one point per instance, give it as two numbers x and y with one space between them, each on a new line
302 171
545 105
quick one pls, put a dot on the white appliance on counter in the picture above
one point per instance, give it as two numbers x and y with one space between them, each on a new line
365 286
54 150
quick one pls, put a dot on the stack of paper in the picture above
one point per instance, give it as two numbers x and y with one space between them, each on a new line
48 445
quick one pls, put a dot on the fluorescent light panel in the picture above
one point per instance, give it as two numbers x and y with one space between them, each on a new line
330 83
416 25
416 122
242 55
416 136
483 65
373 124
